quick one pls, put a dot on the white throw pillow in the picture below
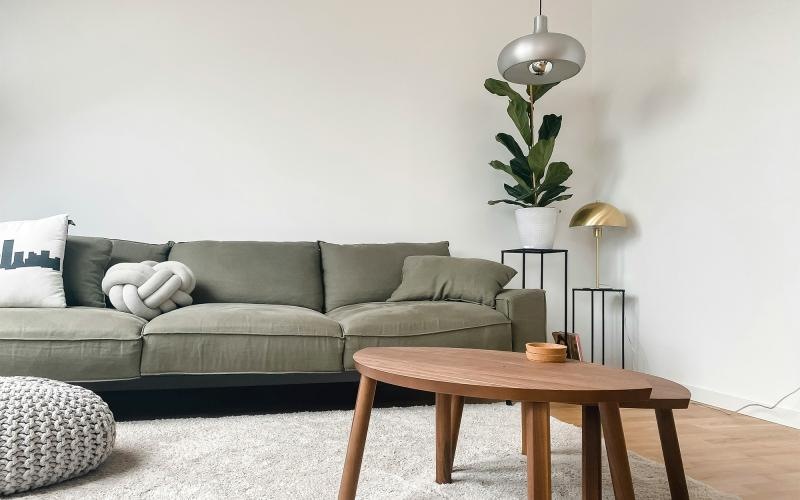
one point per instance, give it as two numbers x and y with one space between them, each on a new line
31 258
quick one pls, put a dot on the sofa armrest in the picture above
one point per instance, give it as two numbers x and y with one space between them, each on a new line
527 310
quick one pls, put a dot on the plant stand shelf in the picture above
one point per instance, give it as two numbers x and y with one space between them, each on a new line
541 252
602 292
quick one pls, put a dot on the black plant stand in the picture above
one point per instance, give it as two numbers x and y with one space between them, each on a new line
541 252
602 292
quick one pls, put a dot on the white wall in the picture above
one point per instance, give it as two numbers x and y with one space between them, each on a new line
357 121
347 121
697 116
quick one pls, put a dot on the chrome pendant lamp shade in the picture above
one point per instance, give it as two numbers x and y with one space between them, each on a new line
541 57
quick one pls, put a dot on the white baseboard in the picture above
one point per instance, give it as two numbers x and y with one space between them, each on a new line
783 416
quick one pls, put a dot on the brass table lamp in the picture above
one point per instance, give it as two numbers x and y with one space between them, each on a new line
598 215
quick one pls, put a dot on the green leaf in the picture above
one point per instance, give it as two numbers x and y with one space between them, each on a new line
511 144
537 91
519 192
501 88
518 107
557 173
551 125
549 191
510 202
520 167
539 157
521 179
518 111
552 200
549 195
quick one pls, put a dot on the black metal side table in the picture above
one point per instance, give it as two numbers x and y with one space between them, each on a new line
541 252
602 292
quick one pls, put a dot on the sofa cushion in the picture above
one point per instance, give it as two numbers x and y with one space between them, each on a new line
85 263
134 251
254 272
74 344
429 277
241 338
432 324
368 273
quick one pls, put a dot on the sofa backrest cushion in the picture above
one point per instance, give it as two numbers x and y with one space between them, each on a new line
355 274
85 262
133 251
254 272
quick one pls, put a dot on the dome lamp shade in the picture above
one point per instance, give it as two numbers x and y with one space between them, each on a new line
598 214
541 57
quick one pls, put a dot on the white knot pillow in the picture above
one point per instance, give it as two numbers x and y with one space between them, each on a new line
149 288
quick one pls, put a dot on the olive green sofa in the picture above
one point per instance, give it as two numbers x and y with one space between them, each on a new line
263 313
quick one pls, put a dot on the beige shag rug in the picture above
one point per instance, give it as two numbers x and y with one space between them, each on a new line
300 455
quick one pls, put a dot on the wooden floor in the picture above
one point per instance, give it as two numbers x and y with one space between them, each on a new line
734 453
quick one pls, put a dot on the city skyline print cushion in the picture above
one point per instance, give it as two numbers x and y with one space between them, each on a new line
31 257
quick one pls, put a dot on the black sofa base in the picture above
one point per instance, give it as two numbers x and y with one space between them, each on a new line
165 382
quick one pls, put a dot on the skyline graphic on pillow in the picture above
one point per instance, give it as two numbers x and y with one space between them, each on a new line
41 259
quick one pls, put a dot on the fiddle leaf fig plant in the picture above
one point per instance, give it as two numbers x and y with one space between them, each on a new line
537 181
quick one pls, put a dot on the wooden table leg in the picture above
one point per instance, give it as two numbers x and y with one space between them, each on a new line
358 437
456 410
592 483
443 453
616 450
672 454
537 442
523 408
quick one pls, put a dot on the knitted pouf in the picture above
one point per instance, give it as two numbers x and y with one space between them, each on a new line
49 432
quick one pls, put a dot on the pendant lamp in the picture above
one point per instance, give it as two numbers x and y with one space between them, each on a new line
541 57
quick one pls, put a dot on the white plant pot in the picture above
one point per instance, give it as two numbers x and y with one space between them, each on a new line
537 226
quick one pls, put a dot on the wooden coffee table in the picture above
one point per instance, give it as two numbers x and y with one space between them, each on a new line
453 374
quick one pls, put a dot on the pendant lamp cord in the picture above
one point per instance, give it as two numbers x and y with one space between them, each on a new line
532 100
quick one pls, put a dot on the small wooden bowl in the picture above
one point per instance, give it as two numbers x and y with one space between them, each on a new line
539 358
543 352
545 348
546 355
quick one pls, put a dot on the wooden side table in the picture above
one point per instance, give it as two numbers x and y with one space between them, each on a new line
666 396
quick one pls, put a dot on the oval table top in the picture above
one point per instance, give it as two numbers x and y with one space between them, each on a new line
500 375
